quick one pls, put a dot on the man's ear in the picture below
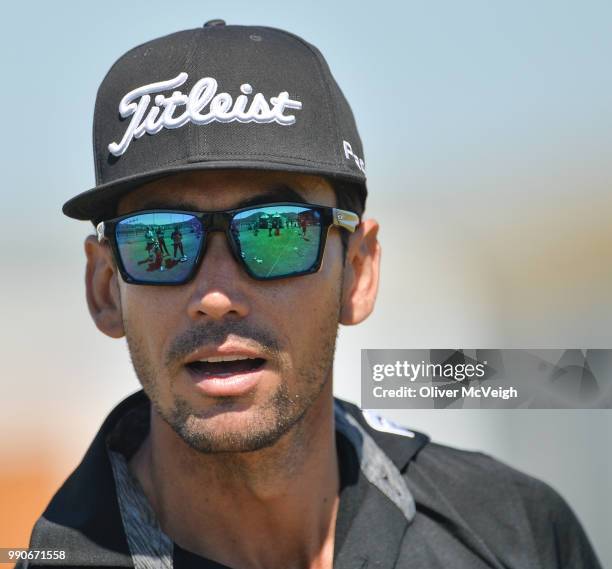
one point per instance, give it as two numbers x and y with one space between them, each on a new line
361 273
102 288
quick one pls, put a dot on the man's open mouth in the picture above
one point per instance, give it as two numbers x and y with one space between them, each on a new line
224 366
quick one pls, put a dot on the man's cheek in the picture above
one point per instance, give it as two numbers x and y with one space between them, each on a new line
317 314
147 324
333 257
150 311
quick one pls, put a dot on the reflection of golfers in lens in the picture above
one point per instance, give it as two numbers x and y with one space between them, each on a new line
159 257
276 223
162 241
177 239
151 243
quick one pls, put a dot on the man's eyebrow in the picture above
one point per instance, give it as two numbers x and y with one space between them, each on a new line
277 194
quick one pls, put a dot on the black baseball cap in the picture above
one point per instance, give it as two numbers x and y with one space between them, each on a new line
217 97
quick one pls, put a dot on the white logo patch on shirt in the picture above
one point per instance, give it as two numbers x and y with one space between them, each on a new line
379 423
222 108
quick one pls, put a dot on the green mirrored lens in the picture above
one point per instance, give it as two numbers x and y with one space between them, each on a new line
159 247
278 240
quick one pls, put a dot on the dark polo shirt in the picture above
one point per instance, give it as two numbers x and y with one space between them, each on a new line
405 503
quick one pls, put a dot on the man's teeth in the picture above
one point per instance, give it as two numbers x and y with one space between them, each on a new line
216 359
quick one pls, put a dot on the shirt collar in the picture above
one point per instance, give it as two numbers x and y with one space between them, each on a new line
151 548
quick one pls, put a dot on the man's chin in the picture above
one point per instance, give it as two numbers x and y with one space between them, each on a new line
213 436
232 425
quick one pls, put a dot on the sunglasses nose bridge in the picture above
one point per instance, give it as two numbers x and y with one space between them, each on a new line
217 221
220 222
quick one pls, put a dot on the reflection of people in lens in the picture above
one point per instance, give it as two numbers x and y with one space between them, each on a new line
159 257
162 241
177 239
276 223
151 243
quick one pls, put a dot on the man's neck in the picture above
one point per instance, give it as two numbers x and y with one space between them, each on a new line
272 508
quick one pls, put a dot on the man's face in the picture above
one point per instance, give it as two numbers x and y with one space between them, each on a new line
286 327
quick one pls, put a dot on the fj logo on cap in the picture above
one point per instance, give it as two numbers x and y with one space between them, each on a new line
349 154
222 108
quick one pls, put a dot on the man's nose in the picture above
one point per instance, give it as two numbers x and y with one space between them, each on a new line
220 284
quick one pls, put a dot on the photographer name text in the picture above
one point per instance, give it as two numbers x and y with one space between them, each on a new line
432 391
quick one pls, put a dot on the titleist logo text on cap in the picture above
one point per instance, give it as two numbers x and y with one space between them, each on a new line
204 92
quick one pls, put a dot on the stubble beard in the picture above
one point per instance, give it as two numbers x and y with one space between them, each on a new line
280 414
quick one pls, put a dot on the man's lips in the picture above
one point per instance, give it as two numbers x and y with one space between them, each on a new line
224 366
226 370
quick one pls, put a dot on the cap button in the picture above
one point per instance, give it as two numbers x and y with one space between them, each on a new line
214 23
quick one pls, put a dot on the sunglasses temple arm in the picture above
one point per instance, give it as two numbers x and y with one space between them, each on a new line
100 230
346 219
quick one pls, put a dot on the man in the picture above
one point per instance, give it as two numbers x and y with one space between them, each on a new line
151 244
235 454
177 239
161 239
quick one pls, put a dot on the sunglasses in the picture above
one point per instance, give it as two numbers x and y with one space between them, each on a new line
270 241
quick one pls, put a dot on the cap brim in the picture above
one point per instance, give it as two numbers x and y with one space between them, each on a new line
99 202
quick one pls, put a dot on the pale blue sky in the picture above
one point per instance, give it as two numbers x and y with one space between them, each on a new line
445 93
